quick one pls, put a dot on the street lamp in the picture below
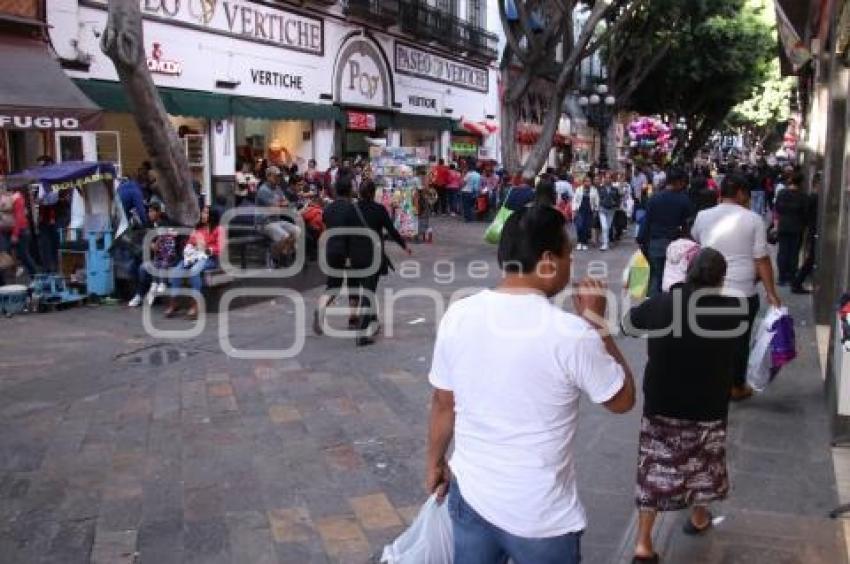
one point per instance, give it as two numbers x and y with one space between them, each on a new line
598 106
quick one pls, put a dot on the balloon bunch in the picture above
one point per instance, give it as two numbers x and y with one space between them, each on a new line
649 139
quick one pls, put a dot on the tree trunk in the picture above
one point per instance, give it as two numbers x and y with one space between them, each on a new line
510 155
123 43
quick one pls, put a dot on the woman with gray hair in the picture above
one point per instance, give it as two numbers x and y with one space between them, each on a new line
682 453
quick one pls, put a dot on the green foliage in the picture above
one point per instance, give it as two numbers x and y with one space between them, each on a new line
769 103
719 54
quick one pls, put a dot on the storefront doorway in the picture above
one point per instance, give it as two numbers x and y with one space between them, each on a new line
280 142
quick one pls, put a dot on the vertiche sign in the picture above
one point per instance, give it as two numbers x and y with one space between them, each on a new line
413 61
249 20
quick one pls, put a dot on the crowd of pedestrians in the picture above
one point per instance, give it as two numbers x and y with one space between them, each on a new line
509 366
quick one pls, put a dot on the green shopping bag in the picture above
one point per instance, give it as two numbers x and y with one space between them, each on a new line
494 230
637 281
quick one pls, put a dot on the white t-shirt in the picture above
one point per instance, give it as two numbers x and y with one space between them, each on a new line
517 366
740 236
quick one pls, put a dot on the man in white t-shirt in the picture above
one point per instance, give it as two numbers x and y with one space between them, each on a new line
741 237
508 370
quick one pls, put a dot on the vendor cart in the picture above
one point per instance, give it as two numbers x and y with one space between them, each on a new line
91 216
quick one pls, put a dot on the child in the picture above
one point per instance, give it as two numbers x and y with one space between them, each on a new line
422 202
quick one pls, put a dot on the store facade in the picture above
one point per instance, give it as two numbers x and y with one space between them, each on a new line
42 112
277 81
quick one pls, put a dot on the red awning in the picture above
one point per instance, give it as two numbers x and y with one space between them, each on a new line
36 93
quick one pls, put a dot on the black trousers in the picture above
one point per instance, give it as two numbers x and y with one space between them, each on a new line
788 256
442 201
808 264
742 343
365 290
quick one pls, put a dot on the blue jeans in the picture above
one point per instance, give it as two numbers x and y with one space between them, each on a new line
194 275
468 201
454 201
478 542
657 259
584 225
757 202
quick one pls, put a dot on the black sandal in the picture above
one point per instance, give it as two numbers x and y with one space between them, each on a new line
646 559
690 529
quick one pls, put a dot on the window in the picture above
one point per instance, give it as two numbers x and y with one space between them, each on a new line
476 14
447 6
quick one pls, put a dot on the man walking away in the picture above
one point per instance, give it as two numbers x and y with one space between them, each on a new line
811 239
792 209
469 192
609 203
439 178
667 215
740 235
508 370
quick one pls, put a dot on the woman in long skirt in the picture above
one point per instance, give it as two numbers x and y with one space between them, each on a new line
682 452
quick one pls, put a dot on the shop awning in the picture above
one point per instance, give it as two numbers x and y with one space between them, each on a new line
111 97
36 93
194 103
284 110
792 17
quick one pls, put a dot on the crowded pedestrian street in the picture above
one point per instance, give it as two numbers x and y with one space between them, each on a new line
424 282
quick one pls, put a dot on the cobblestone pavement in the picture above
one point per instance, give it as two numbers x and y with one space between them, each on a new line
118 447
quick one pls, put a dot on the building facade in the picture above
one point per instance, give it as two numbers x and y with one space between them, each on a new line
246 80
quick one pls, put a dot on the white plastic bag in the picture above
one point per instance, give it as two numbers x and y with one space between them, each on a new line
759 364
428 540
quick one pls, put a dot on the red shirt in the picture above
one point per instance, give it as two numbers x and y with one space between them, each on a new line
440 176
312 216
210 240
19 212
455 180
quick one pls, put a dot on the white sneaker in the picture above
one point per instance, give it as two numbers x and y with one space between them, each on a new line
161 288
136 301
603 248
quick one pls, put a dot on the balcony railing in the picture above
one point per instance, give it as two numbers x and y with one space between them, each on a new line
427 23
384 12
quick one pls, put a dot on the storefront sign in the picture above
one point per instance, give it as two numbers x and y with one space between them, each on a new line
278 79
421 102
413 61
80 182
461 148
158 65
248 20
360 77
59 119
361 121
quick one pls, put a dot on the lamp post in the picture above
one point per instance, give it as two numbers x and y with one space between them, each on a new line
681 137
598 106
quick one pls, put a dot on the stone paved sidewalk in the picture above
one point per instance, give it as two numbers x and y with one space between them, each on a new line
117 447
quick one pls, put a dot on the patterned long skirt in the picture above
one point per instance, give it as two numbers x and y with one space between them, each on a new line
680 463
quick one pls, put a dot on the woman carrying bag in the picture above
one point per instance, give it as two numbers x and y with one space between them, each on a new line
374 217
687 383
